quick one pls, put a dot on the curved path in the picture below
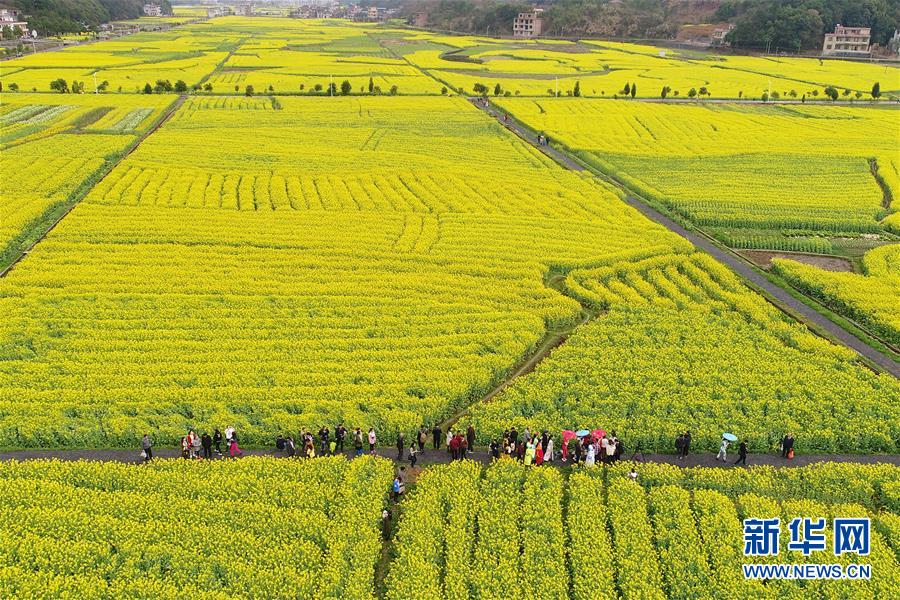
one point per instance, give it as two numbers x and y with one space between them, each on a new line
429 456
783 299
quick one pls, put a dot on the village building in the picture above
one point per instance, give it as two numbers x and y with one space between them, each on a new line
9 17
847 41
528 24
153 10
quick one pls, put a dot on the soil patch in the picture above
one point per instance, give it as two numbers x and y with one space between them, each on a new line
763 258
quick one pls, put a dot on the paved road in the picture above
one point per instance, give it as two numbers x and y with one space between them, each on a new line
736 263
441 456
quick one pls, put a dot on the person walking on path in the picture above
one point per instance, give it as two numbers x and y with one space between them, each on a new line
324 435
217 441
412 455
470 437
422 438
147 447
453 446
679 445
206 442
495 449
436 436
723 451
386 524
787 446
358 442
449 441
686 446
339 433
233 449
289 449
742 454
400 439
195 445
373 439
591 456
548 453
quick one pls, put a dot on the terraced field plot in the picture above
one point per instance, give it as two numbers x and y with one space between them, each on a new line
57 143
870 298
251 529
685 346
478 533
378 261
748 173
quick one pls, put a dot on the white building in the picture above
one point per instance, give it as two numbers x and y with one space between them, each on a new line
153 10
847 41
9 17
528 24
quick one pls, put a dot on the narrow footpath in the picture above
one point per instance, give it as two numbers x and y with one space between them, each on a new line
432 457
782 298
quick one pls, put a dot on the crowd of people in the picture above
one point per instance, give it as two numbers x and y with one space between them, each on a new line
585 448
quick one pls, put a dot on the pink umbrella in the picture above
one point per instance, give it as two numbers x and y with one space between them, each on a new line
598 434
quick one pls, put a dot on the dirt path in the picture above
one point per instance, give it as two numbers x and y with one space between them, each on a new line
776 294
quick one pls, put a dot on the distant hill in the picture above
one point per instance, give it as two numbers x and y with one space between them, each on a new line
785 24
51 17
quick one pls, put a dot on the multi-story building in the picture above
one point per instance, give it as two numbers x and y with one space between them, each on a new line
152 10
847 41
243 9
528 24
9 17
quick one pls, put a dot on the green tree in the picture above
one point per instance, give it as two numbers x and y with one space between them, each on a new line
627 89
831 92
13 87
317 87
103 86
248 91
346 88
703 91
876 90
207 87
665 92
633 90
332 89
480 89
498 90
180 86
444 90
692 93
59 85
577 91
371 85
148 89
394 90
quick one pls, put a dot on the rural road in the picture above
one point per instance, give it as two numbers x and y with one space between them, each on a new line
441 456
782 297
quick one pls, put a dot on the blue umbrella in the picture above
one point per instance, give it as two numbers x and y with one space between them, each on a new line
582 432
730 437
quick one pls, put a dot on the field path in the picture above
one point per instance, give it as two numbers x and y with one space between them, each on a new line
429 456
775 294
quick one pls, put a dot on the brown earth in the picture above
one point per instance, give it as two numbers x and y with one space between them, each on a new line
763 258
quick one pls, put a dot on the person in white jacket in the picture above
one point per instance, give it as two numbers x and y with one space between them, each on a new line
723 450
